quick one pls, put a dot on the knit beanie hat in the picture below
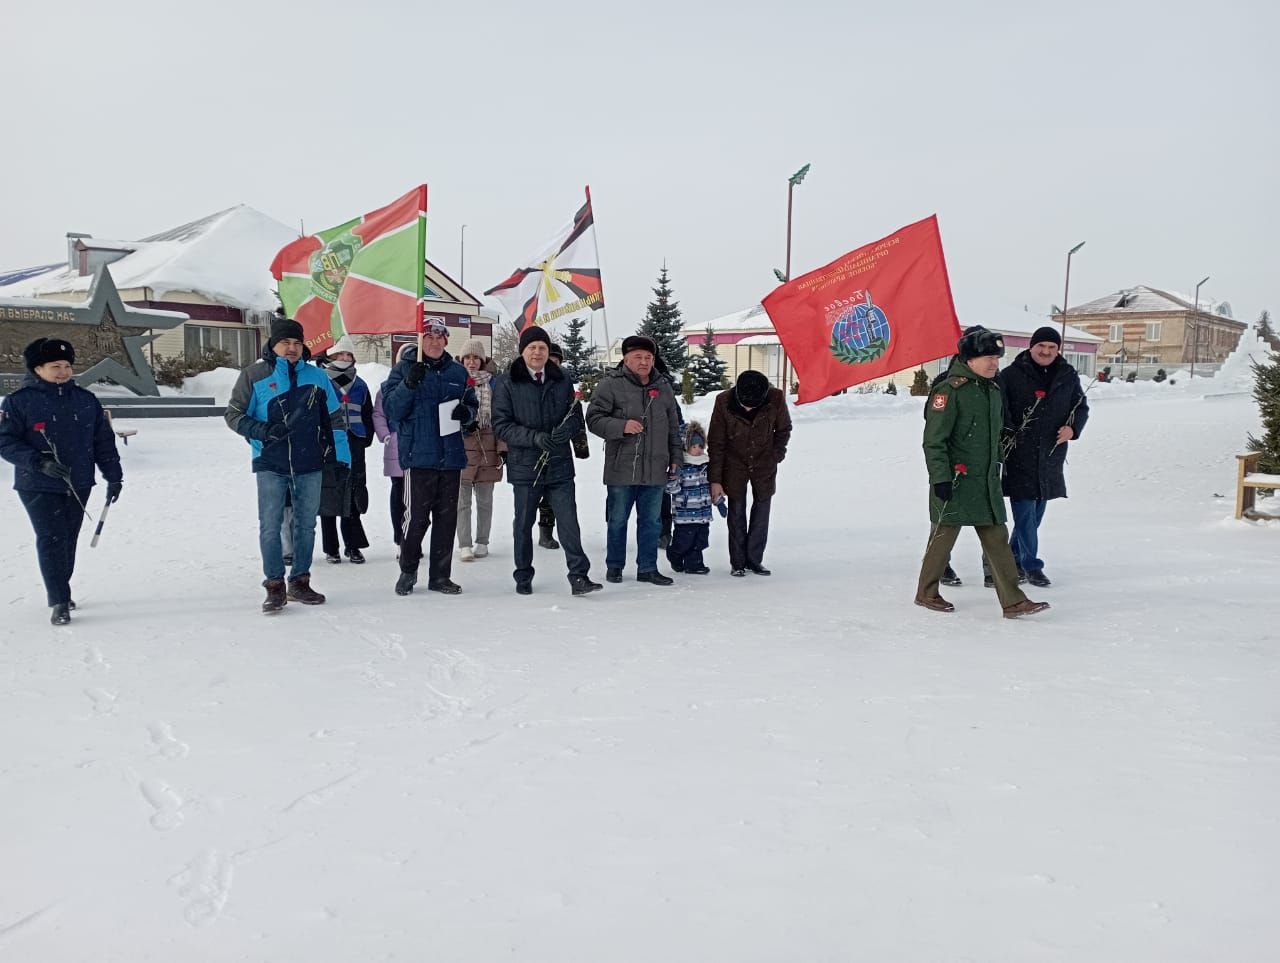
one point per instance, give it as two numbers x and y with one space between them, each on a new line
43 350
284 328
343 344
473 347
556 352
534 332
1047 333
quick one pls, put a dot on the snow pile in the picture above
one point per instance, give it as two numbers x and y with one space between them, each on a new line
1236 373
216 384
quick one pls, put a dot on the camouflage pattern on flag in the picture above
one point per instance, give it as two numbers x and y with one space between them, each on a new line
361 277
563 280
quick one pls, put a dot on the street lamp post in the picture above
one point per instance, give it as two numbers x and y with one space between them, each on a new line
1195 328
1066 288
462 259
792 181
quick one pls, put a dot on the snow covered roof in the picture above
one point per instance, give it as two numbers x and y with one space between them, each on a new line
1147 300
754 339
752 319
224 257
21 274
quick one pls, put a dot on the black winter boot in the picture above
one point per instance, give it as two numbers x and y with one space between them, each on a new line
545 539
300 590
276 599
61 615
406 582
581 585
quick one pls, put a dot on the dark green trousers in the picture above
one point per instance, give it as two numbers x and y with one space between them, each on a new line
995 542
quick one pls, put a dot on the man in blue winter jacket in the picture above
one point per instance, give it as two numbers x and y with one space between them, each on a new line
290 415
55 432
430 401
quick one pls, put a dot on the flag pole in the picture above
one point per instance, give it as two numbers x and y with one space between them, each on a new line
419 310
604 310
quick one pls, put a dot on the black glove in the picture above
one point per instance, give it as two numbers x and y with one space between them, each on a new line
113 492
942 491
564 433
417 371
54 468
544 441
460 413
277 432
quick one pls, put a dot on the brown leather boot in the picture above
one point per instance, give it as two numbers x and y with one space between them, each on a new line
1025 607
275 599
300 590
935 603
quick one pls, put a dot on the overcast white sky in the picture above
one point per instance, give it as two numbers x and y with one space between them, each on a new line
1149 130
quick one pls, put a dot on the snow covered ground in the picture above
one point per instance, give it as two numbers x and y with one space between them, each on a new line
806 767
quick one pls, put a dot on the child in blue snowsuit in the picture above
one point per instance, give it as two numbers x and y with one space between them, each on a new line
690 493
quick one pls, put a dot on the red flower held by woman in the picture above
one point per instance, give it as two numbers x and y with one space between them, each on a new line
471 382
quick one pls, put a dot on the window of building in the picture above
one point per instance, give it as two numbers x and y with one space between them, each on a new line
1083 363
240 343
1116 333
1153 331
1151 359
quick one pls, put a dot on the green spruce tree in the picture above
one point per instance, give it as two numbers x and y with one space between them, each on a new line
662 322
1266 332
707 366
920 383
577 353
1266 392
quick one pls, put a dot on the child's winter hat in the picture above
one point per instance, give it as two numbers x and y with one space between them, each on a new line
694 435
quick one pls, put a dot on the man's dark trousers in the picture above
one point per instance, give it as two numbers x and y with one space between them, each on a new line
431 498
563 500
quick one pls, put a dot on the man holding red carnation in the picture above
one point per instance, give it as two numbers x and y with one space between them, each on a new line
1045 408
964 420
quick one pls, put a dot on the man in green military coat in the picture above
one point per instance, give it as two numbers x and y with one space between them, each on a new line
963 420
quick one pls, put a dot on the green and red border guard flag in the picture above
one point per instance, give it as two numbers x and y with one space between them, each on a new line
559 283
361 277
880 309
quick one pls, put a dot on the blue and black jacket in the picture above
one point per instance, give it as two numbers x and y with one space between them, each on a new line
73 428
416 412
272 391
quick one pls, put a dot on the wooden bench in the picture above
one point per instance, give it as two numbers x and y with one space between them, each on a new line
124 434
1248 481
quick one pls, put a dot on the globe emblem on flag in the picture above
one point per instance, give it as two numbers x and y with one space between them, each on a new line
330 264
861 333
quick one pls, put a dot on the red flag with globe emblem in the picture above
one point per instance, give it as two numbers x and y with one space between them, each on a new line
880 309
361 277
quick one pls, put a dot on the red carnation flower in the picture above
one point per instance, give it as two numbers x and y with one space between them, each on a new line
962 468
577 396
653 392
1039 395
39 426
344 399
471 382
271 385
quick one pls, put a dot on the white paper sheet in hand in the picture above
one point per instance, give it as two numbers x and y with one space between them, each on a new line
447 425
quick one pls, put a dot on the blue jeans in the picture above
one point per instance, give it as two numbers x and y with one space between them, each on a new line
1025 540
647 500
273 491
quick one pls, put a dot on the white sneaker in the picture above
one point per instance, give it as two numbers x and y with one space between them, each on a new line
482 550
467 554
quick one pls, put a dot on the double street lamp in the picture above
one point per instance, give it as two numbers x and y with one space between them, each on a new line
784 277
1066 288
1195 328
